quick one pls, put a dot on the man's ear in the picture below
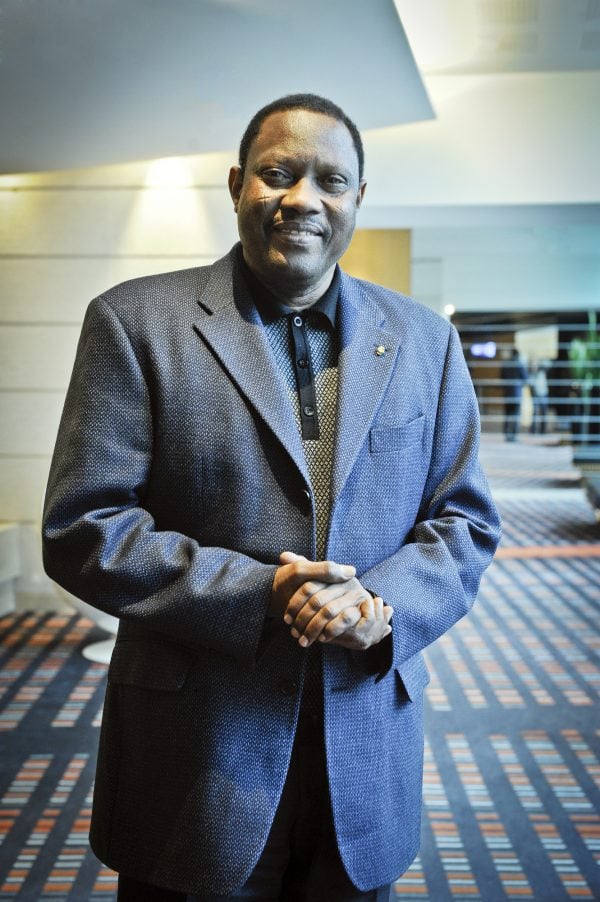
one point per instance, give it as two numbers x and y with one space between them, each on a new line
361 193
235 184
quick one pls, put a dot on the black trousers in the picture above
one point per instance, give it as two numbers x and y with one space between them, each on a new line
300 861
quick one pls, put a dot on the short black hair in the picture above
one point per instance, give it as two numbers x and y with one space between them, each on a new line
314 104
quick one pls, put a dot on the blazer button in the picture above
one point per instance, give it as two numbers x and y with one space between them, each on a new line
288 687
307 499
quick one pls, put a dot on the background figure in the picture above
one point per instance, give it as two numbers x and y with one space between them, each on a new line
514 376
538 385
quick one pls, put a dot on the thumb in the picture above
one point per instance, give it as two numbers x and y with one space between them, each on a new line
288 557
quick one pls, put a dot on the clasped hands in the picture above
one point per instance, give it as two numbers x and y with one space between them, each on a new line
322 601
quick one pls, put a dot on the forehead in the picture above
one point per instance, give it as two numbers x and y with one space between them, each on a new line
303 134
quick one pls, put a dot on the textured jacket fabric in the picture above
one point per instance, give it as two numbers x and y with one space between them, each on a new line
177 479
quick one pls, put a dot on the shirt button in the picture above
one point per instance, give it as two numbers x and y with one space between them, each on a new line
303 362
309 411
288 687
298 321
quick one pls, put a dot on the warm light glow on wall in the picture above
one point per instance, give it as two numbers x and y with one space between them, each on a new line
171 215
11 181
169 172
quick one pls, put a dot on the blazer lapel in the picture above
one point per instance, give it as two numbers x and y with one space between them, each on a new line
365 363
232 327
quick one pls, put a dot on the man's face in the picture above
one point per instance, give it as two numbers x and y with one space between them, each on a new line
296 203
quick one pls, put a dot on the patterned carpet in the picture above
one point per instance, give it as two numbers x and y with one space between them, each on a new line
512 773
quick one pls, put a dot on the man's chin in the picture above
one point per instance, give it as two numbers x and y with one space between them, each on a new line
301 260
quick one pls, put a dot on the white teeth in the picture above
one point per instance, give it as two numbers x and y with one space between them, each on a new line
292 228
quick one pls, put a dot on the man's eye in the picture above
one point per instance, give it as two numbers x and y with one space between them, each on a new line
275 176
334 182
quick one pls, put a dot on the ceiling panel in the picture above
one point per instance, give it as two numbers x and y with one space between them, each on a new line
500 36
90 83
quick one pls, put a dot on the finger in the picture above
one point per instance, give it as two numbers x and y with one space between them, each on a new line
360 637
324 606
347 640
301 569
288 557
367 607
301 597
388 613
378 607
330 570
346 621
303 578
312 599
289 577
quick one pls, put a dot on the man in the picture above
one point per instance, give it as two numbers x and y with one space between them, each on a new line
514 376
538 386
257 463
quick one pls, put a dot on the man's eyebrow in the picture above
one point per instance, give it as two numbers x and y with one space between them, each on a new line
292 161
271 156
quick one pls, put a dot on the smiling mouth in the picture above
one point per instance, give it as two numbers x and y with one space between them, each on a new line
297 230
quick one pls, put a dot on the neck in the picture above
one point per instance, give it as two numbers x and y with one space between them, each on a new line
293 294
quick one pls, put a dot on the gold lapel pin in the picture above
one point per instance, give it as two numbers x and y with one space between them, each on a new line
380 350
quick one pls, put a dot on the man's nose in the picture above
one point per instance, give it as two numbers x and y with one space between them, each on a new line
303 195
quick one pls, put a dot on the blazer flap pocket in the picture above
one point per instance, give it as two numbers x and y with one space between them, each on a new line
149 664
413 675
397 438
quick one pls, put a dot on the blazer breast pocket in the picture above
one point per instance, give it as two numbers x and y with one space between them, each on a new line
397 438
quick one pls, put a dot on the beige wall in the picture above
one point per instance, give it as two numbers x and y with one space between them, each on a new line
382 256
64 238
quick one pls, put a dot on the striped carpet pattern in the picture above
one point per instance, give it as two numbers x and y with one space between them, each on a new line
512 758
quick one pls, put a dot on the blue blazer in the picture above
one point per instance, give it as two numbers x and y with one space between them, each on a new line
177 479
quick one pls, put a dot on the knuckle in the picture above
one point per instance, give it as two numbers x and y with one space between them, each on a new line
306 590
316 601
330 569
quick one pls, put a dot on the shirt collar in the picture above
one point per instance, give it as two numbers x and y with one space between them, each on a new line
271 308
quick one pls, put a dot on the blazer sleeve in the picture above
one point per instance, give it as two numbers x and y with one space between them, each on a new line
433 579
99 541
